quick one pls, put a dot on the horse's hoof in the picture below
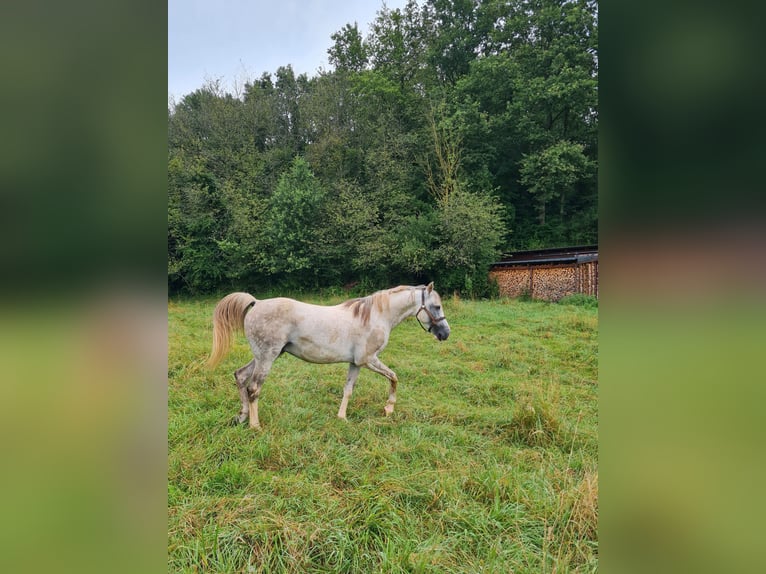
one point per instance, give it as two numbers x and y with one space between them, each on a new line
388 409
255 427
238 420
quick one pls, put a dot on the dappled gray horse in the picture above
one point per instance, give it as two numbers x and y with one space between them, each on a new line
353 332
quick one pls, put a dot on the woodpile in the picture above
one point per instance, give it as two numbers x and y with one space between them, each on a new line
512 281
547 282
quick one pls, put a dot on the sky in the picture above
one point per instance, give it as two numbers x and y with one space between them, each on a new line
237 40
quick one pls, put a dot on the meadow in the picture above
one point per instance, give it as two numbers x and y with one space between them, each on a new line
488 464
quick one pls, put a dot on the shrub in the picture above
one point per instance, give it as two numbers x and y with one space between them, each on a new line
580 300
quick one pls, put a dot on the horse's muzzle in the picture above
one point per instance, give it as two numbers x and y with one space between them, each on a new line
441 333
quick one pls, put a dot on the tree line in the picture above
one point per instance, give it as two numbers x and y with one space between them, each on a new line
449 133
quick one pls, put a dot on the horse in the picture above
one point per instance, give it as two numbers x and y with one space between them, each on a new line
352 332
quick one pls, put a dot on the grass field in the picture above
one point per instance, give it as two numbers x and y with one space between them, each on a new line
488 464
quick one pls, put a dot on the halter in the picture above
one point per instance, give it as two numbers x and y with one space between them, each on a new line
434 320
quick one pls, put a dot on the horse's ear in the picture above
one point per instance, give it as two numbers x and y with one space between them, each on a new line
430 287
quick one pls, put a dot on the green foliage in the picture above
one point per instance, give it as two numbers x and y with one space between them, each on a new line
438 131
471 227
196 221
553 172
348 53
294 215
349 233
525 296
580 300
489 462
414 252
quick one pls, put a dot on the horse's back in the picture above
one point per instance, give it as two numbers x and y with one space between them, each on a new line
276 314
287 310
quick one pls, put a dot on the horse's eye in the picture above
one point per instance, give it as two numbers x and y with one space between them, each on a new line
437 307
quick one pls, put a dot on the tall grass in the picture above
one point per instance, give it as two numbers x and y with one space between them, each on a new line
489 463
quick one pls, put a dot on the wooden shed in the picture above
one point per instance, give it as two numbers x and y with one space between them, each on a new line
548 274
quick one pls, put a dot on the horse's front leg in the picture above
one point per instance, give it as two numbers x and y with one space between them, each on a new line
353 373
253 392
377 366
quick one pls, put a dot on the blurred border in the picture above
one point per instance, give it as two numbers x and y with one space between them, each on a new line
682 282
83 313
83 326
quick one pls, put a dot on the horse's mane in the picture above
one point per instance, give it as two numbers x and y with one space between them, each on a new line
363 306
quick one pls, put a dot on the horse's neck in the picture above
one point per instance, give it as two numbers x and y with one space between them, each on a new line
402 304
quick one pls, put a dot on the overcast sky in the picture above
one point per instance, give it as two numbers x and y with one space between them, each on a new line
238 40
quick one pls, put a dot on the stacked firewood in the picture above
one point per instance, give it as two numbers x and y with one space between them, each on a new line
549 283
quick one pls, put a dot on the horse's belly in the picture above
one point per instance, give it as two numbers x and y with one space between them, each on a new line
318 352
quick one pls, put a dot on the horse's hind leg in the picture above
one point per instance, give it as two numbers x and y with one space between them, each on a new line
243 376
261 368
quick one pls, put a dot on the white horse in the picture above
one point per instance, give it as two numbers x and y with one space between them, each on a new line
353 332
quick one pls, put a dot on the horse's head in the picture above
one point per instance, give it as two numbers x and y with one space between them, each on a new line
431 314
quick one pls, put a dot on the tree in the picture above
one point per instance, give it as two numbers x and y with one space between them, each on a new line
459 30
196 221
553 172
533 86
290 228
348 54
348 241
289 93
471 230
442 171
449 122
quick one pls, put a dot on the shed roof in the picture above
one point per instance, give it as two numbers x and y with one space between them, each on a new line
554 255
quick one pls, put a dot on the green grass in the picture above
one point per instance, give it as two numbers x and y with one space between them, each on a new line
488 464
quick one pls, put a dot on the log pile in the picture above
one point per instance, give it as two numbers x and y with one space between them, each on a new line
511 281
547 282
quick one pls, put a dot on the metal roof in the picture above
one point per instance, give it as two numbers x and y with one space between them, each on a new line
555 255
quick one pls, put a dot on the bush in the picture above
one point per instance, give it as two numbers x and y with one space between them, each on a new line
471 228
580 300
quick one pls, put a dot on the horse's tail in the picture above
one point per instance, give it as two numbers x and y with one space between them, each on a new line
228 317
